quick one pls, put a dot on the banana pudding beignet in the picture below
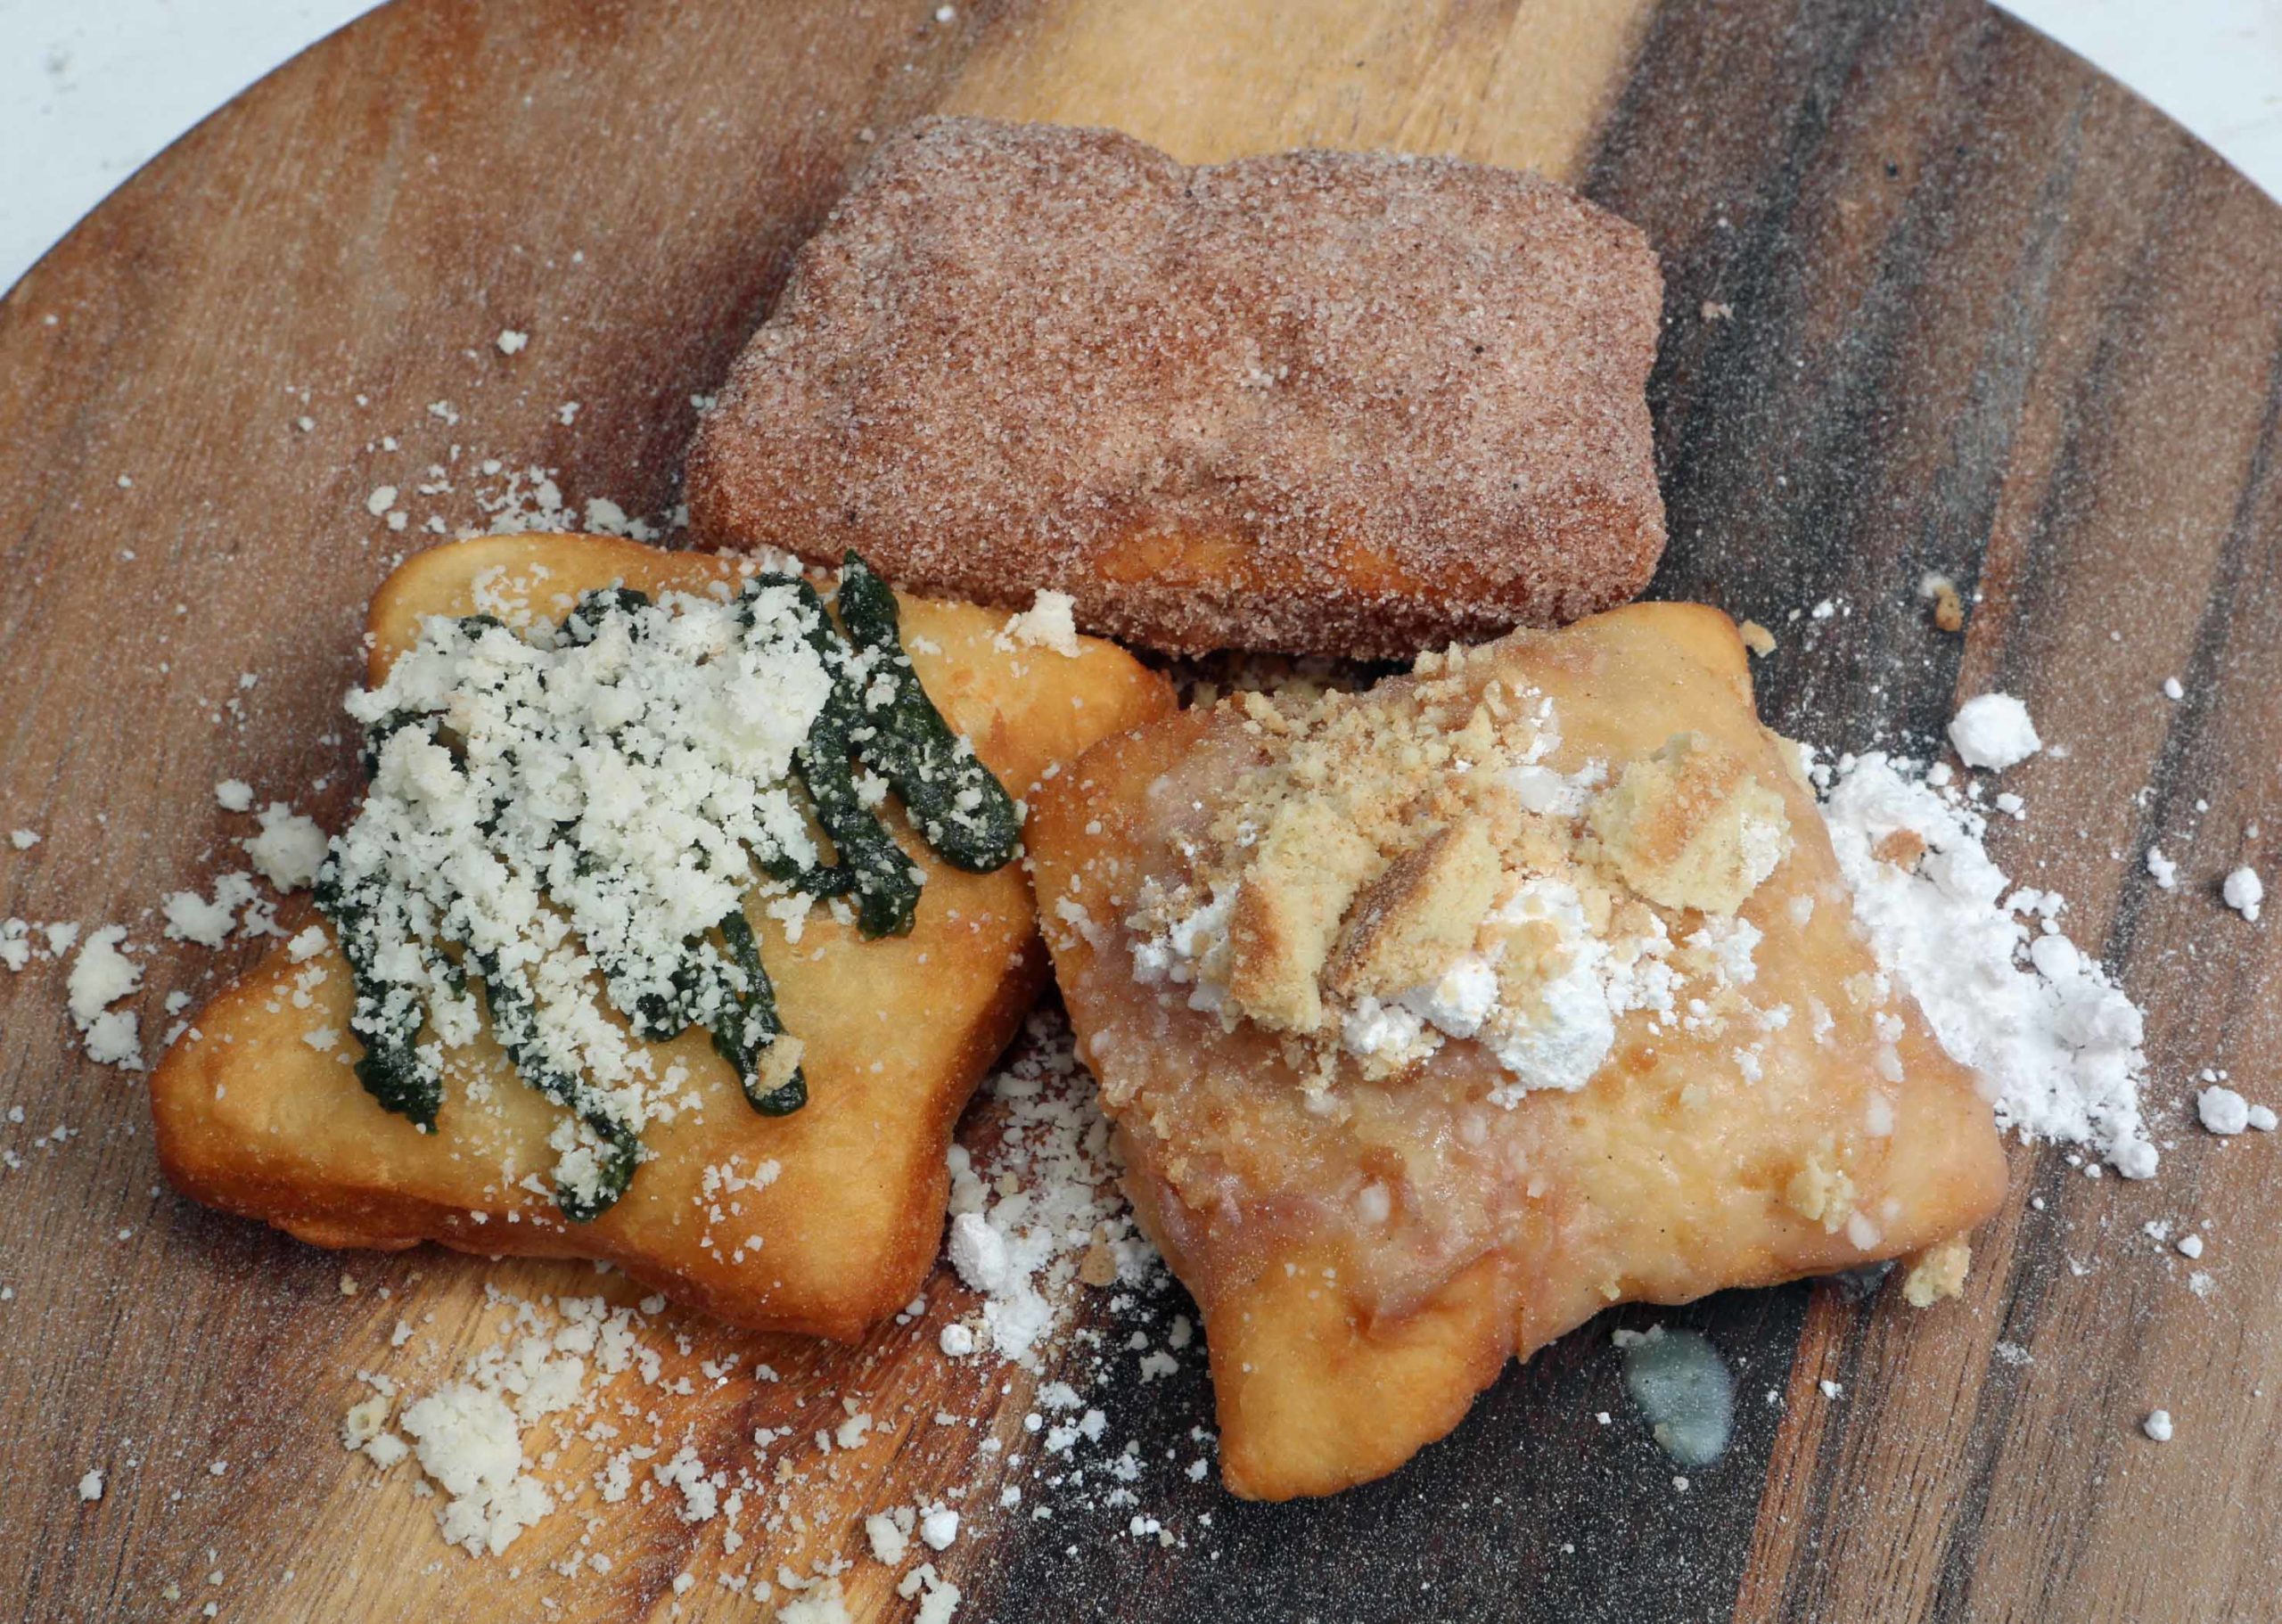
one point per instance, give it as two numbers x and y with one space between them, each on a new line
777 1158
1435 1020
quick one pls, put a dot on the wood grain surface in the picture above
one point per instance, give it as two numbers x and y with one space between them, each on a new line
1940 298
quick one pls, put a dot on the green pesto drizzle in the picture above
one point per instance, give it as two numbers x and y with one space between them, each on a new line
390 1069
515 1025
876 714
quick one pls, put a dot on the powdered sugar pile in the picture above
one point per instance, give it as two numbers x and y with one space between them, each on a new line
2056 1042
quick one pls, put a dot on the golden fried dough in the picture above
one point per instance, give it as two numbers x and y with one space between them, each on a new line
823 1222
1369 1251
1339 402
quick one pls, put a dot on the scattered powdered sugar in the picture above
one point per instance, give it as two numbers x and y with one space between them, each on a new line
1994 731
888 1540
2056 1042
1559 1040
824 1606
1520 941
939 1528
2244 892
1041 1211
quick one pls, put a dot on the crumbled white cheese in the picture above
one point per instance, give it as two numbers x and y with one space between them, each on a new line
642 763
940 1528
193 918
1993 730
114 1039
510 342
100 976
2161 870
2244 892
469 1441
234 795
90 1486
1048 623
2158 1425
365 1427
289 850
889 1543
23 839
687 1474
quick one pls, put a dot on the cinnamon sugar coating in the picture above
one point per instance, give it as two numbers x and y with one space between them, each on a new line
1335 403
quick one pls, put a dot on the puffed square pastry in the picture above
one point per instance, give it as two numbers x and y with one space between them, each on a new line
1435 1020
1338 403
775 1156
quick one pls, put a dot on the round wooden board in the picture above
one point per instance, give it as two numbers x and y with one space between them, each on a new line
1940 298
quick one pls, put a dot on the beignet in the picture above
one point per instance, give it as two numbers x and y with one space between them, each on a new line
1339 402
1435 1020
824 1220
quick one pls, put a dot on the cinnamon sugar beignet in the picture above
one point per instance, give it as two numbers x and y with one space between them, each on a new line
1436 1020
1341 403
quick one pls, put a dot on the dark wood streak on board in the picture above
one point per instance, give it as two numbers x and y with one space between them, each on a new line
2007 171
1991 316
2010 650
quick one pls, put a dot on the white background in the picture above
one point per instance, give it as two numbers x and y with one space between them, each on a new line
90 89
